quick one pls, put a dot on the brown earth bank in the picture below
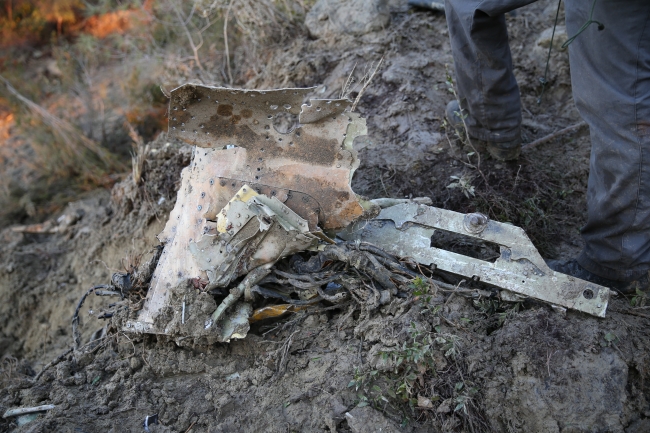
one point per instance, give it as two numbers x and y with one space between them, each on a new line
433 361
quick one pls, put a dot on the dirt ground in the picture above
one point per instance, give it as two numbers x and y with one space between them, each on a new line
432 362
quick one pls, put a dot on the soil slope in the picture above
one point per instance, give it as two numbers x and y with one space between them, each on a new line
468 364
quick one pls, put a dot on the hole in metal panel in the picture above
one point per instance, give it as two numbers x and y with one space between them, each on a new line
285 123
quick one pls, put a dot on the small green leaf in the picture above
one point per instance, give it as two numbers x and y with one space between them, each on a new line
609 337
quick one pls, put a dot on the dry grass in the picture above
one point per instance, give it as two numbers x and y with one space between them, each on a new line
241 28
88 157
73 111
138 154
366 80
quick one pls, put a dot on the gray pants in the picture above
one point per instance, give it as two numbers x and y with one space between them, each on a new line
610 75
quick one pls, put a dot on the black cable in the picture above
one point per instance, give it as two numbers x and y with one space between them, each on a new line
589 22
544 80
569 41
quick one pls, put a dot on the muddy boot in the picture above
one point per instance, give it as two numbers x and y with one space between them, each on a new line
434 5
504 151
573 268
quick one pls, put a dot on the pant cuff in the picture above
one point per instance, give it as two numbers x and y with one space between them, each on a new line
626 275
494 137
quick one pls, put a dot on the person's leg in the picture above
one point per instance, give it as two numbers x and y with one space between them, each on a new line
610 75
486 86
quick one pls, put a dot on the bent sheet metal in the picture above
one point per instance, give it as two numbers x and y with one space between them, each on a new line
254 192
406 231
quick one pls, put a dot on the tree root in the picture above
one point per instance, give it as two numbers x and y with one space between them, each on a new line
76 335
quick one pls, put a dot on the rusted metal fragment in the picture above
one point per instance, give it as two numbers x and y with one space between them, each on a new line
310 159
406 230
306 170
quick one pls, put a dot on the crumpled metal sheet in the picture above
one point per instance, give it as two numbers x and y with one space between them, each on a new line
301 181
406 231
257 231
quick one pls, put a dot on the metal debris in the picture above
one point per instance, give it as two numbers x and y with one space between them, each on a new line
248 234
236 325
406 231
252 194
256 192
149 420
273 311
27 410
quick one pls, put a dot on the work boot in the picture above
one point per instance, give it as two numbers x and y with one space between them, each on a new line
573 268
503 151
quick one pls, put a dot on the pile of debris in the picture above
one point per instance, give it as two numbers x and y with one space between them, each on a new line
266 218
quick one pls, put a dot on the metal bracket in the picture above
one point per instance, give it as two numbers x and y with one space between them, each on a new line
406 230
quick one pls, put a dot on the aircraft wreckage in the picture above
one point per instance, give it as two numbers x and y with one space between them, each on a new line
253 195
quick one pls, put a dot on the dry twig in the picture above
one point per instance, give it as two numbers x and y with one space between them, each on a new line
553 136
225 41
55 361
195 48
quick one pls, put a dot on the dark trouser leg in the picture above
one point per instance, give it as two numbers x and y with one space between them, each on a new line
487 88
610 75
